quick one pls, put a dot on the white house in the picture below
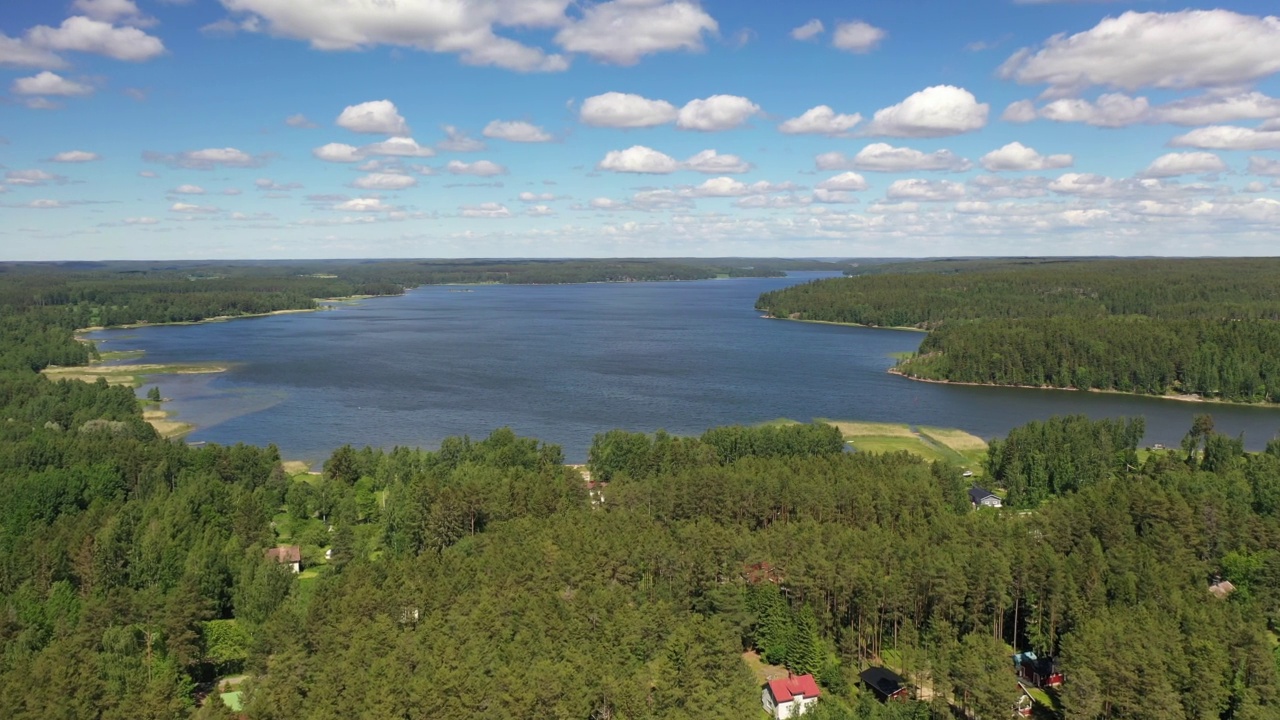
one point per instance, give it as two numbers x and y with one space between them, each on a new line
981 497
790 696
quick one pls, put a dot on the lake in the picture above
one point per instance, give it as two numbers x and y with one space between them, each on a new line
564 362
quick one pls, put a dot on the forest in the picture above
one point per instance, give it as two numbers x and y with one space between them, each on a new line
1205 327
488 579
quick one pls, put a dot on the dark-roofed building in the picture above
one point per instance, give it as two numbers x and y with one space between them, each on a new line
981 497
1039 671
290 555
789 696
885 683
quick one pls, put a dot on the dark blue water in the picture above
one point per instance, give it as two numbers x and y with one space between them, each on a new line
562 363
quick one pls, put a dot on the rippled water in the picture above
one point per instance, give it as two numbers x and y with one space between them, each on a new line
564 362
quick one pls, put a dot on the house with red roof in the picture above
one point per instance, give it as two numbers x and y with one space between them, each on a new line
790 696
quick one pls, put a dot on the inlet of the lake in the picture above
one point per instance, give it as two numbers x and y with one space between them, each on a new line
564 362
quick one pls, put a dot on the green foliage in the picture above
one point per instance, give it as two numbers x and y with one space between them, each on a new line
1061 455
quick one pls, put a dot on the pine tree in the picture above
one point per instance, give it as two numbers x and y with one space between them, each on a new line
804 647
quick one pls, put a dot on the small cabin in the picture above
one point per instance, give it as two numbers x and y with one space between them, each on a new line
290 555
790 696
1043 672
887 685
981 497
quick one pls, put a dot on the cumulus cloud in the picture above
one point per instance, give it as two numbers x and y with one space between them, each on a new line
31 178
857 36
1110 110
936 111
1228 137
187 190
527 196
384 181
190 209
364 205
882 157
1212 108
1189 163
1021 111
712 162
820 120
638 159
299 121
925 190
539 211
141 221
82 34
74 156
447 27
1186 49
718 112
48 83
808 31
516 131
1016 156
1264 166
338 153
45 205
623 31
458 141
111 11
485 210
481 168
16 52
207 159
395 147
846 181
729 187
625 110
380 117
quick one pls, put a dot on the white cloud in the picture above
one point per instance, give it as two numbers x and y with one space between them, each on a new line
1021 111
1264 166
42 103
458 141
1190 163
1016 156
207 159
625 110
396 147
465 28
485 210
718 112
45 205
1089 184
82 34
1110 110
377 117
623 31
47 83
384 181
820 120
113 11
141 221
882 157
364 205
638 159
189 209
729 187
808 31
925 190
481 168
188 190
846 181
74 156
1228 137
539 211
31 178
1191 48
338 152
299 121
857 36
516 131
1215 108
16 52
711 162
527 196
937 111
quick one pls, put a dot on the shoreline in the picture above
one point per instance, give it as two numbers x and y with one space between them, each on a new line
80 332
1179 398
906 328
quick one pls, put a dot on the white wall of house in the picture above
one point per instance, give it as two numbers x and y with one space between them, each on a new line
785 709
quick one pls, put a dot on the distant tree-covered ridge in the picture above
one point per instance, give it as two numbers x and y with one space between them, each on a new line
1208 327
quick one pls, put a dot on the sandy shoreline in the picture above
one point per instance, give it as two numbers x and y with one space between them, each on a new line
1179 398
847 324
79 333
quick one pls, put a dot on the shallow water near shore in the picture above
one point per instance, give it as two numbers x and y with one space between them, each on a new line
564 362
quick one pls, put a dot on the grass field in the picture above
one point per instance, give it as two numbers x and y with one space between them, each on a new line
946 444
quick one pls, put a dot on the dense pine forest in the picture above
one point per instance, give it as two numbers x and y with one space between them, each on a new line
1200 327
487 579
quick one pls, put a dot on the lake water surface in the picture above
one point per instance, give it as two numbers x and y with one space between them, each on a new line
564 362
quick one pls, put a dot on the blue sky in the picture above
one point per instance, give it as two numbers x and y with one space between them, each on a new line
141 129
